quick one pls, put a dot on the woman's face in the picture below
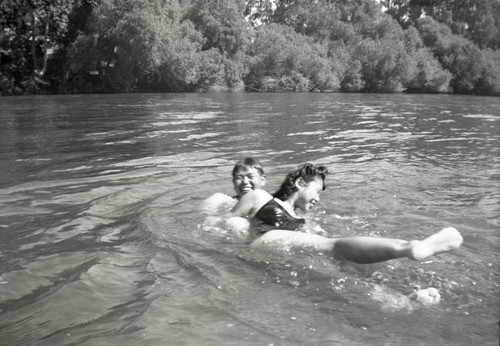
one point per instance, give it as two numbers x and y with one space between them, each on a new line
308 193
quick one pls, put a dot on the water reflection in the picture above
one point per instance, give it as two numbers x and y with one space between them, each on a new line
100 242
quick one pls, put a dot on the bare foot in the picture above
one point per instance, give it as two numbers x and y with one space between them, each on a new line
426 296
444 240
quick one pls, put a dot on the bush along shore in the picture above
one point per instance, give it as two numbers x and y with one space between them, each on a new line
95 46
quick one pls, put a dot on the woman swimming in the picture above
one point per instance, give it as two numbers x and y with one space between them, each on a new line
300 191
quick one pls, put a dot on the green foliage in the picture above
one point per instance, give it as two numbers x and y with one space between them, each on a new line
478 21
424 72
30 33
383 65
489 83
263 45
175 53
459 56
133 45
221 23
112 52
282 59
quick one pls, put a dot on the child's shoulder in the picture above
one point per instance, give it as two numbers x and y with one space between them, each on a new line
257 198
259 193
217 203
219 196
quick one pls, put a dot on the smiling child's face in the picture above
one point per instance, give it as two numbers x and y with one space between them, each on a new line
248 179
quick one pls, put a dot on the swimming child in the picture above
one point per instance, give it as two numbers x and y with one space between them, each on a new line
300 192
248 174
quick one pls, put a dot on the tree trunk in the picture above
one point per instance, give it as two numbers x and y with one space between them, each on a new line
46 52
33 42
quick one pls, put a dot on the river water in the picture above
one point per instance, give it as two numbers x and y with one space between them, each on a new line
102 242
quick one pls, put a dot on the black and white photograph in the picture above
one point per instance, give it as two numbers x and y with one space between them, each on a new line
249 172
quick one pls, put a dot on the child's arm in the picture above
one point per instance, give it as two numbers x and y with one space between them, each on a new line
217 203
250 203
245 209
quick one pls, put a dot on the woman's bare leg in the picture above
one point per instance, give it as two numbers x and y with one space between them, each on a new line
284 239
363 249
371 250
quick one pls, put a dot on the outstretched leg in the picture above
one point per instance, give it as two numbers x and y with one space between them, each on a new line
445 240
363 249
284 239
371 250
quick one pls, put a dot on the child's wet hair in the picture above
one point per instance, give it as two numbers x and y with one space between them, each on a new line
307 171
248 162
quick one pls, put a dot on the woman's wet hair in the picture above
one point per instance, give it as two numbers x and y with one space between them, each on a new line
248 162
307 171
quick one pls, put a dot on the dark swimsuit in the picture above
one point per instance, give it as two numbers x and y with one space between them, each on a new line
273 214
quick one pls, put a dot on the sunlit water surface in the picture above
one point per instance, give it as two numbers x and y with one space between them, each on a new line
102 243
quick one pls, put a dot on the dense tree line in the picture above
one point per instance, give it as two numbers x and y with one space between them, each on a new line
83 46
